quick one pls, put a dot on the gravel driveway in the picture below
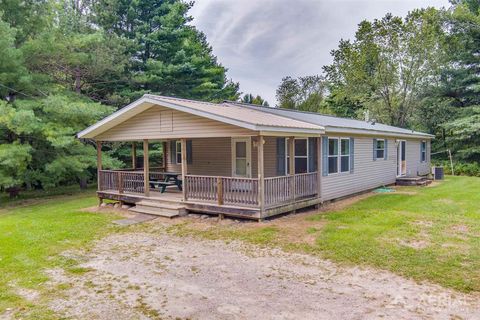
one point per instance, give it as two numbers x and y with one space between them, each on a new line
159 276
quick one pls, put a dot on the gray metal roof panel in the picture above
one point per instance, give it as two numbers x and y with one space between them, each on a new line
329 121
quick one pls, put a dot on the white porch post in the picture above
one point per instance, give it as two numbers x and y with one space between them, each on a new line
261 176
146 169
291 164
184 167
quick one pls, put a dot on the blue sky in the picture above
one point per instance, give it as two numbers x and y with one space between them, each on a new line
264 40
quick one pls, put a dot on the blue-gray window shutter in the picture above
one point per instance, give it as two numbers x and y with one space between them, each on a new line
173 152
324 156
385 155
352 154
421 142
427 150
281 157
312 154
374 149
189 152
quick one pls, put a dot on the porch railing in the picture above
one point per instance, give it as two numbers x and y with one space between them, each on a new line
122 181
279 190
306 185
222 190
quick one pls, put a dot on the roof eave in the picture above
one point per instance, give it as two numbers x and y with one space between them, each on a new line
331 129
94 130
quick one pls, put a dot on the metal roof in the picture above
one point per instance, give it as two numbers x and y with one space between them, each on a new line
256 120
239 113
253 117
335 124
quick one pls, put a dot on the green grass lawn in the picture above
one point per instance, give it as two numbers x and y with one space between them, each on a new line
431 233
32 235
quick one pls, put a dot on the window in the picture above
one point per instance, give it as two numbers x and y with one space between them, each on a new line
178 151
423 151
380 149
301 155
338 155
332 155
345 155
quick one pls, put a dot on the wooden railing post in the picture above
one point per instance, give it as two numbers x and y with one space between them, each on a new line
261 176
99 164
220 191
164 156
120 182
319 168
134 156
291 165
146 169
184 167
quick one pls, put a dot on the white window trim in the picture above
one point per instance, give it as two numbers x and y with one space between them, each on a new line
339 155
376 149
424 150
178 151
344 155
295 156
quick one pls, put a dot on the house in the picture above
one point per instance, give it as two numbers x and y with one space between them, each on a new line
250 161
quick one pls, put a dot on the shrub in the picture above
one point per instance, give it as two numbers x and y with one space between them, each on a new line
460 168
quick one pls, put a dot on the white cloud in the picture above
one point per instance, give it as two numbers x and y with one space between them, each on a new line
264 40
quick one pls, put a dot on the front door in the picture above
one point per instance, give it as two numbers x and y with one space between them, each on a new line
241 157
401 158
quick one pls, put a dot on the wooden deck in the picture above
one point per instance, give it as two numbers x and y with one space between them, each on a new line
224 196
175 196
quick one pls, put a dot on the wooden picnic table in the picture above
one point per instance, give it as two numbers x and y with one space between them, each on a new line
167 181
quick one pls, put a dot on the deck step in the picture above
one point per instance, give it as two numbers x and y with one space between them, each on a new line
161 203
412 181
164 209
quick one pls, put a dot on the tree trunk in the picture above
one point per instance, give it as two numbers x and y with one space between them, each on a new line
78 76
83 183
13 192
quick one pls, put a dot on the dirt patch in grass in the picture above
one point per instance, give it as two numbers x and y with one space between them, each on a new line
156 275
300 228
423 223
414 244
461 229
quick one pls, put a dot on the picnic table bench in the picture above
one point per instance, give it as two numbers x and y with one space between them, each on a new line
171 179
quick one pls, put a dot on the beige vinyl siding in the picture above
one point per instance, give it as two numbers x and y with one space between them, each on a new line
367 173
210 157
414 165
213 157
163 123
269 155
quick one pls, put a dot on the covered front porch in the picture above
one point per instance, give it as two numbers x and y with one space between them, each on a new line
254 180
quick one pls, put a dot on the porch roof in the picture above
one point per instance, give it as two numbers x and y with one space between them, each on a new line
237 115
